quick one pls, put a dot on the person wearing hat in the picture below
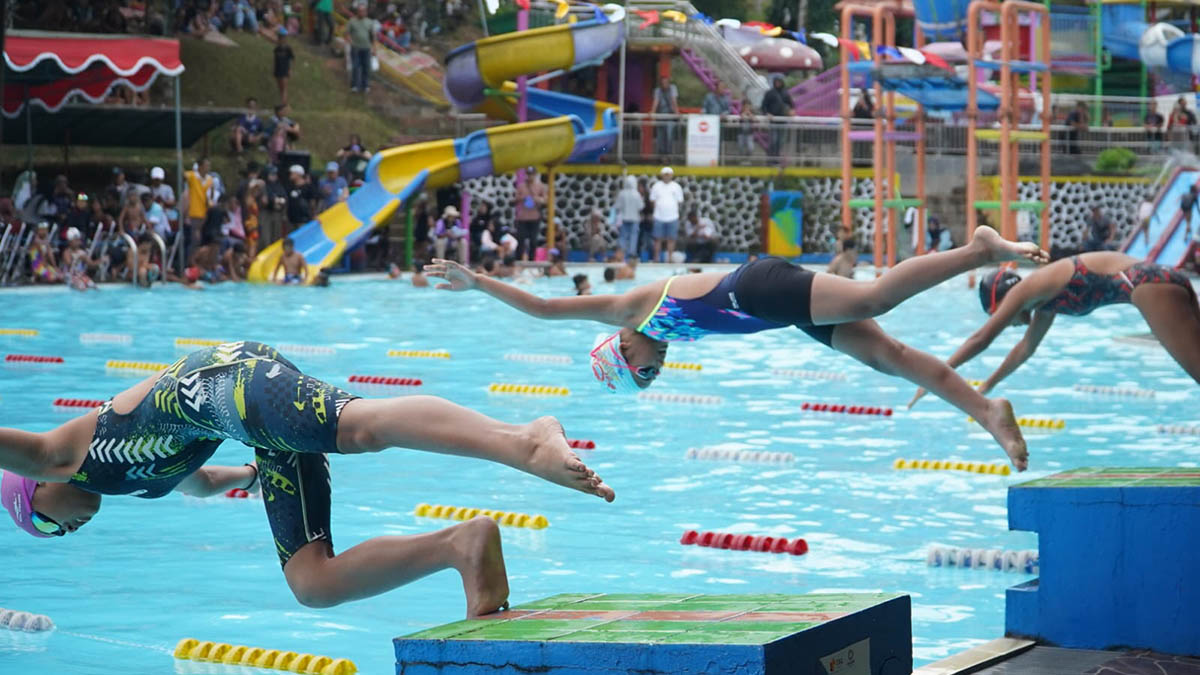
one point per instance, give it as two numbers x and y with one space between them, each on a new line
332 188
301 195
162 192
1076 287
766 294
199 185
157 437
448 233
667 198
77 261
272 207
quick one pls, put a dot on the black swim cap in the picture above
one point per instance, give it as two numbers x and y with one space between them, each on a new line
993 287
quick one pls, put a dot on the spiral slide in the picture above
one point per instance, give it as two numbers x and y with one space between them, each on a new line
564 128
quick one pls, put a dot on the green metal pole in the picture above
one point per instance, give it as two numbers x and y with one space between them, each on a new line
1098 88
408 236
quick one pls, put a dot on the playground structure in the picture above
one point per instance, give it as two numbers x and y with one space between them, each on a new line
1009 135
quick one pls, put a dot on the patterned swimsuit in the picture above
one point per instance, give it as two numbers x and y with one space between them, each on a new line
242 391
1088 290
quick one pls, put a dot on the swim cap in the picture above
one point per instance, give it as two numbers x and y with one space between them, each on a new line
17 493
993 287
609 366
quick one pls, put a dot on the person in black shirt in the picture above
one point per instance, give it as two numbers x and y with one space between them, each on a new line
1154 129
272 208
1187 204
283 64
776 103
1100 232
300 197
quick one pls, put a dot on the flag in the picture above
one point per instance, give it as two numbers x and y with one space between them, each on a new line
828 39
561 9
851 48
675 15
888 51
914 55
800 36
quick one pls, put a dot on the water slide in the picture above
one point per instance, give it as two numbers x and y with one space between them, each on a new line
1161 45
1167 243
563 128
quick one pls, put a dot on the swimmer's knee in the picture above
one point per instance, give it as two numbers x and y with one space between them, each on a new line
875 302
311 581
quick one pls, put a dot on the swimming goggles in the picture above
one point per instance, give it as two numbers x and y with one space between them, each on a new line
46 525
646 373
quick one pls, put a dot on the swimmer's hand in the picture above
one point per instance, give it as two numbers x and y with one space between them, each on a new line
917 397
458 278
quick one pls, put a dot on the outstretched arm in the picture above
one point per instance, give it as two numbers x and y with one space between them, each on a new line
46 456
611 309
1022 350
214 480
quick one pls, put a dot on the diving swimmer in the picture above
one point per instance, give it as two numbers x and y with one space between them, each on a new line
155 437
772 293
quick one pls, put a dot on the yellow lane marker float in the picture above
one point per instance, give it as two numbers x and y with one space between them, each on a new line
23 332
952 465
508 518
198 342
679 365
190 649
418 354
135 365
1036 422
531 389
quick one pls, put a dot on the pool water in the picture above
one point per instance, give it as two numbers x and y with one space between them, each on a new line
145 574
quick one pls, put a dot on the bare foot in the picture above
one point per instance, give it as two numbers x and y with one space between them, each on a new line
1001 423
480 562
998 249
552 460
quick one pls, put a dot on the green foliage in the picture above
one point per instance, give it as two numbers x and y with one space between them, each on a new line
721 9
1115 160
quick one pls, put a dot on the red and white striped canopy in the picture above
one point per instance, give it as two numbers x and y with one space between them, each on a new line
46 69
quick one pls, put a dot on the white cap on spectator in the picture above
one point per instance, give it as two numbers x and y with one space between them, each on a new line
666 169
73 233
331 166
157 172
296 168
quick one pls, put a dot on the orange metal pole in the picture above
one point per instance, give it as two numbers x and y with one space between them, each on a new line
1007 174
890 37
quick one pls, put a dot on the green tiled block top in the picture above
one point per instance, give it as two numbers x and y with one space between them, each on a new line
658 618
1118 477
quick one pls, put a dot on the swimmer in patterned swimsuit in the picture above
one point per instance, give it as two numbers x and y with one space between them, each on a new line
1076 287
773 293
155 437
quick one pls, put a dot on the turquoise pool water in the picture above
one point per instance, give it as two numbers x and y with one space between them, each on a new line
144 574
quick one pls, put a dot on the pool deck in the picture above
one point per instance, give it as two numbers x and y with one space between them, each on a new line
1011 656
836 634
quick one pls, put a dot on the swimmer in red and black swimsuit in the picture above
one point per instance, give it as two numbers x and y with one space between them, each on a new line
1076 287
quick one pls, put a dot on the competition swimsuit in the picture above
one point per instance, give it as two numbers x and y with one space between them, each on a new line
1088 290
761 295
242 391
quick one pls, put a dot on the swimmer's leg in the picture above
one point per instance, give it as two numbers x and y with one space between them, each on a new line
838 300
866 341
437 425
318 578
1174 318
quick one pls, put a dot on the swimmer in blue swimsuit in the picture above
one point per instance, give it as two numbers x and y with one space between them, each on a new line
773 293
155 438
1076 287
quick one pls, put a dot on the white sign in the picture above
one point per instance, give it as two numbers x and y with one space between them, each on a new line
703 140
853 660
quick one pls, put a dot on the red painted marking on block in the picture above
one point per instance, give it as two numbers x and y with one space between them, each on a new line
790 617
695 615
